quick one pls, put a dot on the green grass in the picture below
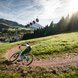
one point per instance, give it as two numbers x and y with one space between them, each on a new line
39 74
9 75
49 45
73 74
46 47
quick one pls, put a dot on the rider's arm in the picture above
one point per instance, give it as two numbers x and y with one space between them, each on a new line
23 45
26 45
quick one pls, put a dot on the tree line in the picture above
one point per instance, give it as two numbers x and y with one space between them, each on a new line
66 24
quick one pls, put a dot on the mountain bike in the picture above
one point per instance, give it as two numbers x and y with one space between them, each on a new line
27 59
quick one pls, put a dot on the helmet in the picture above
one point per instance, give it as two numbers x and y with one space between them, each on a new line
27 43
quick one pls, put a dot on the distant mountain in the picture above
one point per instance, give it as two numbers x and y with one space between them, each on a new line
36 26
9 23
4 26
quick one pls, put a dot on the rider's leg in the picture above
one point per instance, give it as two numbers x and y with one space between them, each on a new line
22 54
20 57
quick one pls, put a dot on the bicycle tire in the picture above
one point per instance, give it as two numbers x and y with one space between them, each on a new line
14 56
29 55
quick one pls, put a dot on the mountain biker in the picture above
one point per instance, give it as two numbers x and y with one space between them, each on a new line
26 51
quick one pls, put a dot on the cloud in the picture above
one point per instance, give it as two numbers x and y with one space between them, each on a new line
49 8
24 11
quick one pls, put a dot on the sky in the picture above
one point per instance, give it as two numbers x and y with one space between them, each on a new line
25 11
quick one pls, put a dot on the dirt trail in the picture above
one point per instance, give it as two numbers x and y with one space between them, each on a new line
56 62
68 59
11 51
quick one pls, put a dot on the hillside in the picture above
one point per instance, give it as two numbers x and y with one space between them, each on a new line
50 44
3 26
10 23
55 56
15 24
9 30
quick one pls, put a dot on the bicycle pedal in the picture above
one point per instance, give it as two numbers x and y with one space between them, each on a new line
19 60
15 62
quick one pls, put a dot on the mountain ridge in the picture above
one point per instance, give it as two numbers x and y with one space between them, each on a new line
9 22
15 24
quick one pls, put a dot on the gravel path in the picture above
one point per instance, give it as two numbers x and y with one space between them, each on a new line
67 59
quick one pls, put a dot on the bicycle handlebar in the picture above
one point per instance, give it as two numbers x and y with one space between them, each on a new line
19 46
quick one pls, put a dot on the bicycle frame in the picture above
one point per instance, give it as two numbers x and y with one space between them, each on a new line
22 56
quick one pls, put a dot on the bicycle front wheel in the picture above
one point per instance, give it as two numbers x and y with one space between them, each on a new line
27 59
14 57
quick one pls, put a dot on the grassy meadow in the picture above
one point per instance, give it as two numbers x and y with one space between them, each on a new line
49 45
44 48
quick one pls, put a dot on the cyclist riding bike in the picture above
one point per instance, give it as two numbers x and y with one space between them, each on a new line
25 57
26 51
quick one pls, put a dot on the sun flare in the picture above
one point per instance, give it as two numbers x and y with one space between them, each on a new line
73 6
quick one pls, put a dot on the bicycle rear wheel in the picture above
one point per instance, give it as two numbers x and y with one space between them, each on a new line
14 57
27 59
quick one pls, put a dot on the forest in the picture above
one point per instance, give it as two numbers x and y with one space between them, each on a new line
66 24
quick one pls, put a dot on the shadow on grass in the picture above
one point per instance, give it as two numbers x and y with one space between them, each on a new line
6 62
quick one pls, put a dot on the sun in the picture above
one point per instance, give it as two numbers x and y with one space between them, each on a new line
73 6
